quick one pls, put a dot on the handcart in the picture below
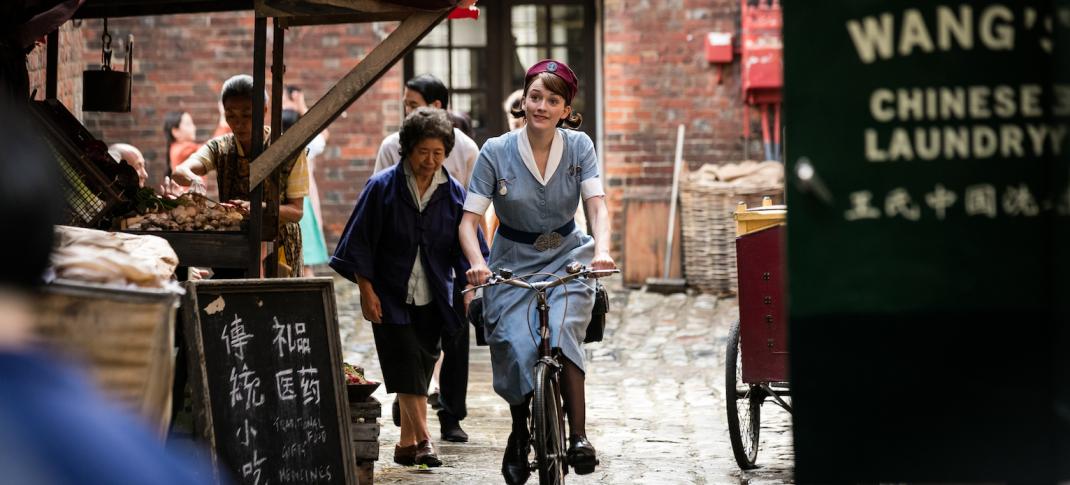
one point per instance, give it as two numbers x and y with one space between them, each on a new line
756 369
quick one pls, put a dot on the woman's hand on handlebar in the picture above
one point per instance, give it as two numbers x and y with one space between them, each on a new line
478 274
602 261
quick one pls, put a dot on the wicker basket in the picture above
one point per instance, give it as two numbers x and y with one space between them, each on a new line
124 337
709 231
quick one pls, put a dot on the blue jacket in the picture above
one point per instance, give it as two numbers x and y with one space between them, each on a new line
57 429
381 237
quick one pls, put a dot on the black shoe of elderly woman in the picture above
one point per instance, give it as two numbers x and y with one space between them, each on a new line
581 455
515 465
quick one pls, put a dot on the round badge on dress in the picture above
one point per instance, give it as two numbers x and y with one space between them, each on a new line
502 189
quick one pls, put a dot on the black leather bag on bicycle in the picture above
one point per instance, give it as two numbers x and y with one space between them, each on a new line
475 317
597 328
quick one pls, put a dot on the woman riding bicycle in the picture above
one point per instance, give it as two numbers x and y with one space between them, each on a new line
535 178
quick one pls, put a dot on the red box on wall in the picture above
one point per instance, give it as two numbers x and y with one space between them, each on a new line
719 47
762 54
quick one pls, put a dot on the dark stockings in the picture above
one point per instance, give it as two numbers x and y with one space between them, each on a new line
572 380
520 414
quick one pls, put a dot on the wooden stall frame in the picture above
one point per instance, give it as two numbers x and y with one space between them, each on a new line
415 24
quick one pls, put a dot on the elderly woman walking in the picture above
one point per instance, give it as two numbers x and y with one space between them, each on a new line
401 248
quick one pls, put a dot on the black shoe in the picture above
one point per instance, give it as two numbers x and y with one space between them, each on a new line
451 428
515 465
433 399
425 455
395 412
405 455
581 455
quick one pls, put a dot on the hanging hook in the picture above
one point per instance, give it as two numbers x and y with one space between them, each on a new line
105 51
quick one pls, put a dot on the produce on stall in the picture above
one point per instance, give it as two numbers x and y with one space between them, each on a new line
188 212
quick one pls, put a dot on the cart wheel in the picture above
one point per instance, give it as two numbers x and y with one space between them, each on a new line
744 404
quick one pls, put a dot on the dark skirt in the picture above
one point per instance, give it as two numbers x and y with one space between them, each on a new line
407 353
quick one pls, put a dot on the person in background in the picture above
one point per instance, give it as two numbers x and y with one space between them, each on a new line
400 247
536 176
226 155
462 122
131 156
512 105
428 91
181 134
55 428
314 249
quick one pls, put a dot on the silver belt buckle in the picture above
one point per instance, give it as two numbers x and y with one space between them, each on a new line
549 240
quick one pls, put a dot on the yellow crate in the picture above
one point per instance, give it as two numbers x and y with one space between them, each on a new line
758 218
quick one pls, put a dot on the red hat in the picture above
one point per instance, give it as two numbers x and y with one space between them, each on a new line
559 69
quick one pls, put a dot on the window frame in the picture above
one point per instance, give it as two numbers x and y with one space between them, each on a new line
499 51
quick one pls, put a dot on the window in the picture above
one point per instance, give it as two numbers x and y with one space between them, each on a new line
456 52
483 61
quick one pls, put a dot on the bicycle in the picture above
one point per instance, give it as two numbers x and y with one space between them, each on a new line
547 429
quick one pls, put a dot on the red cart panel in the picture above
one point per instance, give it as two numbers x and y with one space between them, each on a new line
763 322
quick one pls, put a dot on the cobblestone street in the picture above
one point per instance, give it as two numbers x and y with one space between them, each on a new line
655 400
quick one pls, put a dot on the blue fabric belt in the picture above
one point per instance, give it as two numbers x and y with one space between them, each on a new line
525 237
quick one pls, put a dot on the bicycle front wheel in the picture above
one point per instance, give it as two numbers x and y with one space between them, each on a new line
549 426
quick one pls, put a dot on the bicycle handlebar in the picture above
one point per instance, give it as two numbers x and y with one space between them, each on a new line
519 282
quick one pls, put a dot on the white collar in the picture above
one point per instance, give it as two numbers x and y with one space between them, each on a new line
557 149
439 178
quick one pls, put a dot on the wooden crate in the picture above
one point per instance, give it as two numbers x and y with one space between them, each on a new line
364 431
124 337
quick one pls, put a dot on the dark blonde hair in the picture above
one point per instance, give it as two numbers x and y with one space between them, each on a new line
557 86
424 123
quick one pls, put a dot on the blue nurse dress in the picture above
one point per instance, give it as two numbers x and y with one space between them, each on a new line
505 175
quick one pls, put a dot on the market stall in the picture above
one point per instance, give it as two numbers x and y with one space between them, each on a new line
102 194
211 247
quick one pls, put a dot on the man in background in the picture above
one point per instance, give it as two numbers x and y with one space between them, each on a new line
132 156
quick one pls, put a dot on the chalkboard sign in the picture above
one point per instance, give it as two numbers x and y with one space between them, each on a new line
926 160
266 371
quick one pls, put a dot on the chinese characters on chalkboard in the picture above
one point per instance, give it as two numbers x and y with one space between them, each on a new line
245 395
272 380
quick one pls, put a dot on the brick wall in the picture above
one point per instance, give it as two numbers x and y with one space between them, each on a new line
181 61
656 77
654 70
69 79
